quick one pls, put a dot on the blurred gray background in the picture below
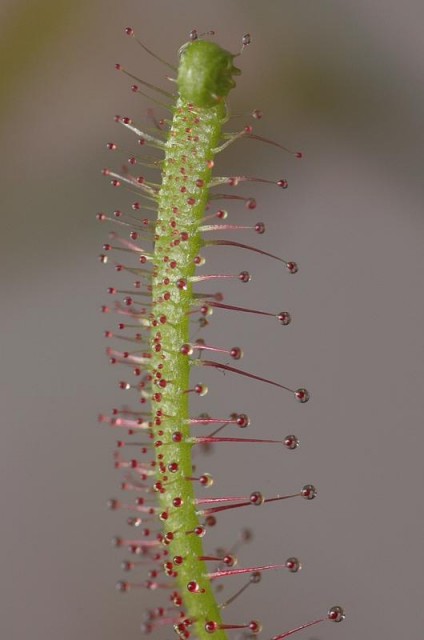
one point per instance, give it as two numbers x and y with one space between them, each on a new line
343 82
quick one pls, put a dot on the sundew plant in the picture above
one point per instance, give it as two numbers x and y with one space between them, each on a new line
158 247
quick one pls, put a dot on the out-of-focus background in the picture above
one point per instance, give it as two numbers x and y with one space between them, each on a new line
341 81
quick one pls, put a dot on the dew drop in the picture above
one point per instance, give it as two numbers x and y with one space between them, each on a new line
242 420
302 395
292 267
284 318
291 442
255 626
293 565
260 228
246 39
255 577
336 614
244 276
308 492
236 353
283 184
122 586
256 498
193 587
229 560
206 480
201 389
186 350
182 284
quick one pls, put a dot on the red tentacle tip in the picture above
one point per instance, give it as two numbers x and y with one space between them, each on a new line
308 492
336 614
292 267
284 318
244 276
194 587
302 395
293 565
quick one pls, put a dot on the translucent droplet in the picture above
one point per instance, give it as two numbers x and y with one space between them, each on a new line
256 498
236 353
255 626
292 267
211 626
291 442
284 318
293 565
308 492
336 614
206 480
242 420
302 395
193 587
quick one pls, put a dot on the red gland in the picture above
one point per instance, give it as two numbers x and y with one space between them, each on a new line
302 395
194 587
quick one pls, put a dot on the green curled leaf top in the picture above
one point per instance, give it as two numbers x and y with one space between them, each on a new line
205 73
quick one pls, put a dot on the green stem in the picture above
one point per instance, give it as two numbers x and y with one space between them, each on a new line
195 133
